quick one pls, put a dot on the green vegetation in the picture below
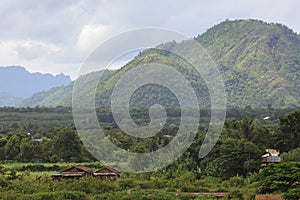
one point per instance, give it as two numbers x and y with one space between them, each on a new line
233 166
281 178
16 183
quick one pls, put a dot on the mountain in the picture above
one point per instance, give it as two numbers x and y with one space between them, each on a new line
61 96
7 99
17 83
259 63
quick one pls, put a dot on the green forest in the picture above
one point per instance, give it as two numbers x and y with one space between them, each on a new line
36 142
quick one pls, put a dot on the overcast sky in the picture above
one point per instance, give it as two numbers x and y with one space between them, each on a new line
55 36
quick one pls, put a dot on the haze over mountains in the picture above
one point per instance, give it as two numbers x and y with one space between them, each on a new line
259 63
17 83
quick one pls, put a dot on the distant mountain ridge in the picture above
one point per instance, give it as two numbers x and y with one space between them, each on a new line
259 63
17 83
7 99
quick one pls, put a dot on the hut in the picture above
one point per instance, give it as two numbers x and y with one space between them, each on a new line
108 173
271 156
73 172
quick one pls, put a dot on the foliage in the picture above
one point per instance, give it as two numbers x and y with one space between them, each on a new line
236 194
291 156
55 195
292 194
137 194
288 136
66 145
280 177
236 155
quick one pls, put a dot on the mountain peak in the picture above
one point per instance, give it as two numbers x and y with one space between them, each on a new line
260 57
17 81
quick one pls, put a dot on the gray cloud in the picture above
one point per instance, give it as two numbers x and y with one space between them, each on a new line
62 33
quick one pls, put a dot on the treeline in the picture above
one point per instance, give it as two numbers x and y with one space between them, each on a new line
238 150
63 145
42 120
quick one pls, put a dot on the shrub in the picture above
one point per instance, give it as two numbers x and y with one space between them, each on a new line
126 183
292 194
236 181
55 195
188 188
279 177
3 182
144 184
236 194
39 168
137 194
159 183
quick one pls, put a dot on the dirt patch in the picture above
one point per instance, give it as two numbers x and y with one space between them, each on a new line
269 197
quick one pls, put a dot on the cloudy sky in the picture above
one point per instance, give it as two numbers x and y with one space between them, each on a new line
54 36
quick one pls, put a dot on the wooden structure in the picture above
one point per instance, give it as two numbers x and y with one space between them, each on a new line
73 172
107 173
271 156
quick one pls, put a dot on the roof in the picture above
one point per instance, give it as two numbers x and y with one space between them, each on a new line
73 173
78 168
107 168
105 174
273 152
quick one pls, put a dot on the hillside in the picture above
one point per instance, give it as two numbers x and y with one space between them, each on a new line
60 96
7 99
259 63
17 83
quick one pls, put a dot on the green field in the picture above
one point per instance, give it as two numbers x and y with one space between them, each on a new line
17 181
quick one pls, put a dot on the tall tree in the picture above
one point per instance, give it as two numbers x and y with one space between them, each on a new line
238 157
26 150
12 147
3 142
66 145
247 128
288 136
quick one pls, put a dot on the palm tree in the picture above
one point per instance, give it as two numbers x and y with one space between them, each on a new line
247 128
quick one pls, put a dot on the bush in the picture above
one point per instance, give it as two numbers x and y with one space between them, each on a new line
206 197
236 194
292 194
188 188
55 195
39 168
137 194
126 183
144 184
279 177
236 181
159 183
87 185
3 182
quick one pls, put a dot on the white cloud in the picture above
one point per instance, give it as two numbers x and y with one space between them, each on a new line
34 55
29 49
92 35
